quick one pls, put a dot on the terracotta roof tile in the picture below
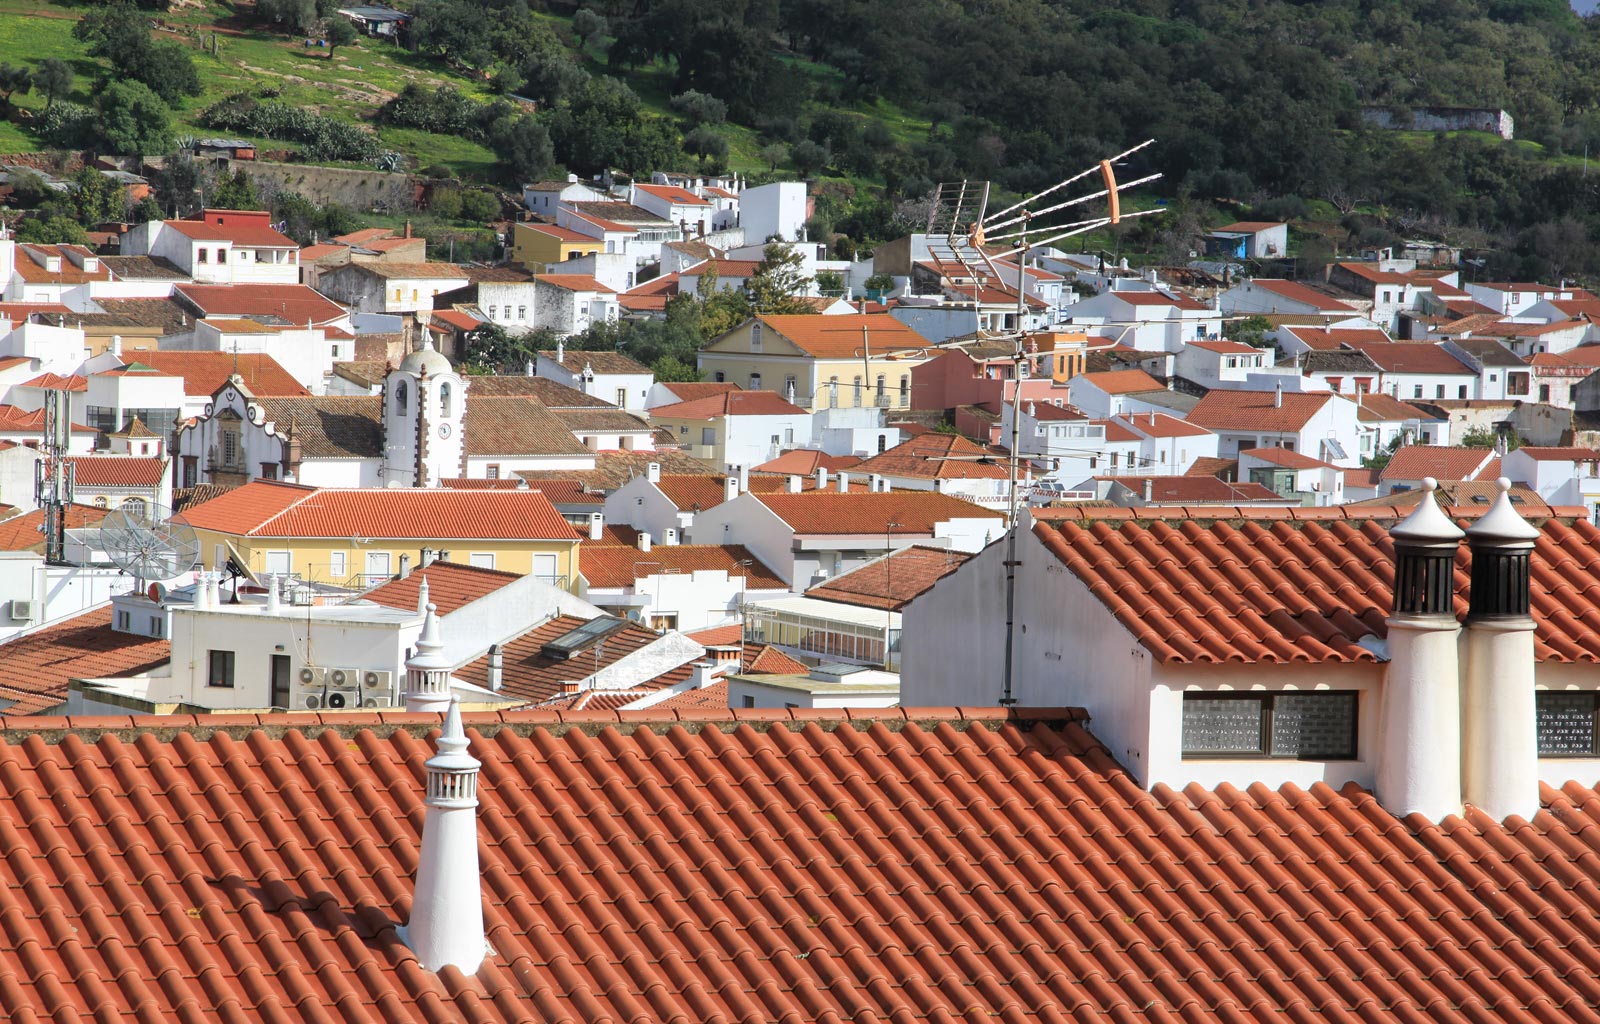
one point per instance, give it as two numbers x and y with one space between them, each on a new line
936 456
1286 458
527 673
1559 454
36 667
265 508
14 420
1250 226
601 361
1379 407
25 532
1159 424
1332 339
329 426
34 272
516 426
830 337
552 394
1410 357
450 586
1299 293
673 194
892 582
574 283
117 471
293 303
730 403
1122 382
1207 465
609 567
394 270
1199 490
1155 298
204 372
1254 588
1257 410
806 462
57 382
1415 461
241 227
696 492
829 512
613 469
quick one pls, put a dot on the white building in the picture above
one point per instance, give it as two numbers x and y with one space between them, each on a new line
675 586
608 375
569 303
777 210
391 287
1146 318
220 247
1315 423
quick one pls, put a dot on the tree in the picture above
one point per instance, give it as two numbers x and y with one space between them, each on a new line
587 25
1488 437
52 79
13 79
490 349
339 32
121 34
708 145
670 368
809 157
51 231
235 192
779 283
880 283
773 154
294 16
479 206
700 109
523 146
96 198
1252 331
133 120
830 282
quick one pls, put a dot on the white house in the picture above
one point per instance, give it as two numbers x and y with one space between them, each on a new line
1293 475
1250 239
1315 423
1276 296
1146 318
778 210
1222 363
1115 392
675 586
692 214
220 247
1412 371
735 428
391 287
1168 445
1562 476
1512 298
569 303
608 375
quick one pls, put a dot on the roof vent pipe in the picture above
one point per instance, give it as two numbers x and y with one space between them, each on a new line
496 673
405 566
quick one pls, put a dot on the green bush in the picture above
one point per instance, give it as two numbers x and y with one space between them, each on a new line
322 138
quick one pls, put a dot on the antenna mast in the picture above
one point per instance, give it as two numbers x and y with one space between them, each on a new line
53 477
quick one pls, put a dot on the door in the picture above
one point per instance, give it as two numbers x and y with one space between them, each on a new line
280 682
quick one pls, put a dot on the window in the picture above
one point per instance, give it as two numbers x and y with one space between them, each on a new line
1544 392
719 377
748 701
156 624
492 472
1200 332
1114 457
222 255
269 471
883 443
1438 391
444 399
622 398
1315 726
1461 392
880 388
219 670
400 398
905 390
755 336
755 382
481 559
1416 392
377 564
788 387
100 501
124 621
230 447
492 310
337 567
279 563
858 388
708 435
833 392
202 255
522 312
1565 722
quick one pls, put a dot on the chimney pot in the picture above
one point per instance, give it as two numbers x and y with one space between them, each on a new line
730 488
597 525
794 483
844 482
822 477
644 541
652 472
496 667
405 566
669 537
446 926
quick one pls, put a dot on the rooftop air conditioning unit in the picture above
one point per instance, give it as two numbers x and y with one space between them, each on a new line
377 689
312 685
21 611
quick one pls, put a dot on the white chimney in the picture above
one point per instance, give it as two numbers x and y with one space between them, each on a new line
422 596
597 525
1149 490
874 482
200 593
822 477
1499 726
496 674
730 488
427 558
644 541
652 472
116 345
272 593
1419 749
744 479
669 537
844 481
561 351
446 926
405 566
428 671
701 674
794 483
1277 397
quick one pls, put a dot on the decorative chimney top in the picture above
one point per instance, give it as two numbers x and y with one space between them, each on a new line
1425 545
452 772
1501 541
428 671
446 926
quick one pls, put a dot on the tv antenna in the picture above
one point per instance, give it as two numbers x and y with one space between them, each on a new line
962 231
148 542
54 474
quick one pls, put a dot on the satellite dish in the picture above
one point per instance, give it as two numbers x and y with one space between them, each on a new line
148 542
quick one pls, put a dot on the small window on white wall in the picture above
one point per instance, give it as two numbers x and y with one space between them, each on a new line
279 563
338 568
482 560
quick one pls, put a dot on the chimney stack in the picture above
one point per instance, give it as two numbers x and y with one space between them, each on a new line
422 596
701 674
446 926
1499 729
669 537
561 351
744 479
1149 490
652 472
730 488
427 558
822 478
1277 397
496 668
597 525
644 541
844 481
428 671
874 482
272 594
405 566
1419 751
794 483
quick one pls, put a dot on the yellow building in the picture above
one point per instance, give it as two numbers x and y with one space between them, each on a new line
819 361
540 246
356 537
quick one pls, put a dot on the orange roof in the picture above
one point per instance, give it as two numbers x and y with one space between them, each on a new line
117 471
673 194
574 283
610 567
1299 293
56 382
18 421
1198 490
1331 340
241 227
1410 357
364 236
1152 298
1257 410
1123 382
1225 347
892 582
730 403
294 303
450 587
565 234
936 456
1159 424
1549 454
458 319
1378 407
36 667
841 336
1250 226
813 513
204 372
529 674
1287 459
1415 461
266 508
70 273
1260 585
311 253
25 532
694 491
806 461
16 311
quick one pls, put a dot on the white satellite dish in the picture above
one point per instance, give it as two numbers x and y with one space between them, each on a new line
148 542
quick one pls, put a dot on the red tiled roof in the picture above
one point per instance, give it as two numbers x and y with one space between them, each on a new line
450 586
731 403
829 512
1198 490
564 492
1331 340
673 194
1379 407
1287 459
1257 410
25 532
609 567
265 508
718 636
36 667
1116 431
692 491
312 253
574 283
364 235
1276 589
565 234
117 471
1159 424
892 582
1225 347
806 461
241 227
1302 295
529 674
1415 461
56 382
1250 226
204 372
688 391
1122 382
14 420
459 319
936 456
70 273
1150 298
1548 454
837 337
292 302
23 310
1409 357
1370 272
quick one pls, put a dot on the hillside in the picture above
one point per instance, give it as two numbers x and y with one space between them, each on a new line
1257 106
